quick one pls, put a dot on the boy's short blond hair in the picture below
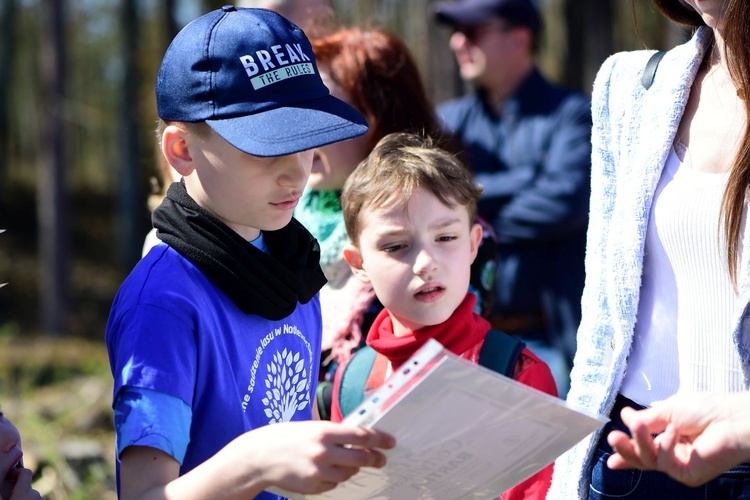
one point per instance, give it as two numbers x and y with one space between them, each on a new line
399 164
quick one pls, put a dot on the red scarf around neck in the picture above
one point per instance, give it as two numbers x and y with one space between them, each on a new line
459 333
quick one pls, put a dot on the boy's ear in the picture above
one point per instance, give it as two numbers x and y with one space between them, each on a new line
175 148
475 236
353 257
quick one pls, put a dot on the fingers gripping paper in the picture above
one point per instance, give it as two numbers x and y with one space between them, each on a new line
462 431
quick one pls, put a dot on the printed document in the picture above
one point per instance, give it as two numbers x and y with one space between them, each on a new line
462 431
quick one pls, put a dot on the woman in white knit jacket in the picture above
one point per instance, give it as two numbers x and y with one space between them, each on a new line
667 244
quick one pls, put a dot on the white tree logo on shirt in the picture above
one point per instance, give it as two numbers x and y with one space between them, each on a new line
286 386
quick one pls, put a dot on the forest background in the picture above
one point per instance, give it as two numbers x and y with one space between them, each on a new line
77 165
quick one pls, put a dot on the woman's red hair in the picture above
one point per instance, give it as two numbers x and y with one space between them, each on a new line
378 73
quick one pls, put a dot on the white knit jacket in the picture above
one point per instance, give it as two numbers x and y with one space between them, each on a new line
633 132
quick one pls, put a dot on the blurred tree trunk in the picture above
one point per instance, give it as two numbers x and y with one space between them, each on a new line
6 64
129 203
589 37
169 22
52 200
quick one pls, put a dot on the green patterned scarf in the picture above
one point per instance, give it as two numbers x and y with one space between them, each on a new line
320 212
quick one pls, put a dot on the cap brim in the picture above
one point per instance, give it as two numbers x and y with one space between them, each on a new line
293 128
455 14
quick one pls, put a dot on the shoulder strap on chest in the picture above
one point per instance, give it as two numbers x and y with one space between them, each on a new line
354 379
500 352
649 72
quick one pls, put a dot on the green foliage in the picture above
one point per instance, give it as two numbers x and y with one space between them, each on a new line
31 364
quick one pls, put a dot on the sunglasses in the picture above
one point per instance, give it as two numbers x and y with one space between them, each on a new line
476 31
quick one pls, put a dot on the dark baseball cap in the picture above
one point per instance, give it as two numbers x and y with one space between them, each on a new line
250 74
471 12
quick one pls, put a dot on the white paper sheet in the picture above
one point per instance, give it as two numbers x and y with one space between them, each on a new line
462 432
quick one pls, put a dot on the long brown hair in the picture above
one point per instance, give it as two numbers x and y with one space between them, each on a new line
736 33
377 71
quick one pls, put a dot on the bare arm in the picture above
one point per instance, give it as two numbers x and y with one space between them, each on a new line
303 457
701 436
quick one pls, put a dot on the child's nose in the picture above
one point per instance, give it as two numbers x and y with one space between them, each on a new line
297 170
424 262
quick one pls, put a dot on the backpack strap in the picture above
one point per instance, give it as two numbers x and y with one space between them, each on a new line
323 398
649 71
500 352
354 379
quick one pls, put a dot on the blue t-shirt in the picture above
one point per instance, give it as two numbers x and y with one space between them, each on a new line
171 330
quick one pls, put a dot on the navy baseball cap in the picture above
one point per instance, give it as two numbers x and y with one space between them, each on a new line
250 74
471 12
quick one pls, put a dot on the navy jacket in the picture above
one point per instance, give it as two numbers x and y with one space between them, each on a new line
533 159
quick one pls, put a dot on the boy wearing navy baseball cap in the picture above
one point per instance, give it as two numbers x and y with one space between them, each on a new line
216 332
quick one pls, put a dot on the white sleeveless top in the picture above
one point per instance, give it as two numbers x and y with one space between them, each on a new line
683 333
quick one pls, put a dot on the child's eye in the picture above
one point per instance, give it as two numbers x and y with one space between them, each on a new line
393 248
447 238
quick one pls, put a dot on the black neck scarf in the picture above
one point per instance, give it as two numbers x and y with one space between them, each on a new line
258 283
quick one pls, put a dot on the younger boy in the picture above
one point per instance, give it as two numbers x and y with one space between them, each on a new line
216 332
408 210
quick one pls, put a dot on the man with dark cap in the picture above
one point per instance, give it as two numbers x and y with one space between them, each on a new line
528 143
